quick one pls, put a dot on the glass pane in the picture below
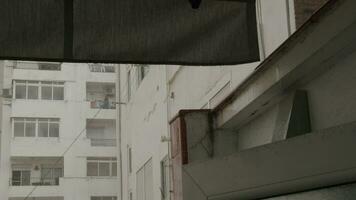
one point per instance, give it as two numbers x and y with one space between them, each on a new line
43 129
30 129
58 93
107 198
114 169
104 169
46 92
20 92
19 128
53 130
46 82
26 175
57 172
46 173
58 83
16 177
95 198
92 169
32 92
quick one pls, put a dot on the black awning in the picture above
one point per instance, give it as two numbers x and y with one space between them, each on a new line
129 31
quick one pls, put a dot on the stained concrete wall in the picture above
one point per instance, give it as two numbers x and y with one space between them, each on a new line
332 95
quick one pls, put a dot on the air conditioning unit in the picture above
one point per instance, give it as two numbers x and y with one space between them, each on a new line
7 93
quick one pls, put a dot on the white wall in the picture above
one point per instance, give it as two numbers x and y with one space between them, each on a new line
144 121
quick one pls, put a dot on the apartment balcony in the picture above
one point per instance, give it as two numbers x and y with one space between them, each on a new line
26 70
43 172
102 68
102 72
101 96
101 133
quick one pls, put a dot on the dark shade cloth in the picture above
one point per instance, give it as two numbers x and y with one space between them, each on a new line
129 31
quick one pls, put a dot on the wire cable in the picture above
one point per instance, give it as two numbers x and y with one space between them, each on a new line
66 150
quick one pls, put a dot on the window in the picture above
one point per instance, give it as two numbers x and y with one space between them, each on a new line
101 167
49 66
129 85
144 180
36 127
101 68
38 66
130 196
50 175
103 198
45 90
129 157
21 177
165 178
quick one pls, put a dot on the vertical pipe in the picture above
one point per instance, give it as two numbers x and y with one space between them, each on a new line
167 83
119 129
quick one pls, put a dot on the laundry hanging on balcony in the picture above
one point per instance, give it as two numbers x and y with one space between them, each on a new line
129 31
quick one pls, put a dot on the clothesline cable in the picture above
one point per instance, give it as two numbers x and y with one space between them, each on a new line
65 151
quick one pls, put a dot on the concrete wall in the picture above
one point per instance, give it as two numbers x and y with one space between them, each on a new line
305 8
144 121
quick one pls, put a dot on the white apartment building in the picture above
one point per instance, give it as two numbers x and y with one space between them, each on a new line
58 131
230 132
155 94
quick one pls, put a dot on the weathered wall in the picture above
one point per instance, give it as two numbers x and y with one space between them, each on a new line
305 8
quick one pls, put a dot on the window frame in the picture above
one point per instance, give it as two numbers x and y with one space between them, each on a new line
98 160
165 177
101 68
52 169
39 85
26 65
21 177
129 159
36 121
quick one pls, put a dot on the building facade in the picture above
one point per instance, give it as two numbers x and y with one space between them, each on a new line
58 131
259 130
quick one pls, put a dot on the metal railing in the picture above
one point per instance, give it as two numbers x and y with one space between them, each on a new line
34 181
101 68
103 142
102 104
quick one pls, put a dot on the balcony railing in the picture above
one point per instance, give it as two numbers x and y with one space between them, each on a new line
103 142
102 104
101 68
35 181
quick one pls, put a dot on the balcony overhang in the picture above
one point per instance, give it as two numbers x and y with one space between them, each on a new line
327 38
313 160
